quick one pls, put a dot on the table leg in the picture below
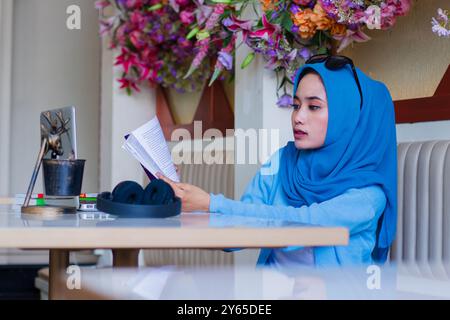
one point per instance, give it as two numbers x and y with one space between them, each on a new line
125 258
59 261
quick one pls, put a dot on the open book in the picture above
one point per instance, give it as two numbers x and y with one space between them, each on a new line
148 146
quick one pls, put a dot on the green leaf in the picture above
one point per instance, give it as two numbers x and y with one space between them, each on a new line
322 50
282 83
222 1
227 41
202 35
155 7
215 75
192 33
286 21
248 60
190 72
231 79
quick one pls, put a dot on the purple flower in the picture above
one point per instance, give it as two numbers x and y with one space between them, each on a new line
305 53
227 22
440 25
271 53
285 101
122 2
443 14
294 8
439 29
226 60
173 72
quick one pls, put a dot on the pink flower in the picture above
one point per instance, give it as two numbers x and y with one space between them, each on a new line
235 25
106 25
204 46
137 18
214 17
187 17
128 85
372 17
401 6
135 38
126 59
387 15
349 37
133 4
302 2
182 2
267 31
101 4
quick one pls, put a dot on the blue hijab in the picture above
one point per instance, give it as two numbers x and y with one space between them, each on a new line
360 149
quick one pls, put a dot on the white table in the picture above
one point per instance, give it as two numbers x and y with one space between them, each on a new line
127 236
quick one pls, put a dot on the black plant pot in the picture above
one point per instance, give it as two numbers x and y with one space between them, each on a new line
63 177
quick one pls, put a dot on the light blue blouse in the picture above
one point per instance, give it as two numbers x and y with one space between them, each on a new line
357 209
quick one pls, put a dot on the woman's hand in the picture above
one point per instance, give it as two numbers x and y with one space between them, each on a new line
193 198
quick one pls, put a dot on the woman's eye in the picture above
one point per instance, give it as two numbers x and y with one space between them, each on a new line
295 106
314 108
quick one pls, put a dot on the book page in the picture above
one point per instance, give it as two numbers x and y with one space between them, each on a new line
138 152
151 142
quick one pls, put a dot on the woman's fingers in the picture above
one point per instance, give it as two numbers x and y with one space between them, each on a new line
175 186
165 179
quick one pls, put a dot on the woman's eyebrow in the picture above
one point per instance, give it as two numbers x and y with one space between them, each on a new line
309 98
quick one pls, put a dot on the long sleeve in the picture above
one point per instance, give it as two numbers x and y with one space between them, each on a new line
260 187
354 209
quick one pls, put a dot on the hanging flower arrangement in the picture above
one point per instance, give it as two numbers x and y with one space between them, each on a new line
160 42
171 42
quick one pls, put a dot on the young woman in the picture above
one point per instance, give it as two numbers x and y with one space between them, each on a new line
340 170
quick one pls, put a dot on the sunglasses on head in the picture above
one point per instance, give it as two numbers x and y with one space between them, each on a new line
335 62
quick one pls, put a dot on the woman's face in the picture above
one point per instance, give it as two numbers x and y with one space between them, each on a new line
310 114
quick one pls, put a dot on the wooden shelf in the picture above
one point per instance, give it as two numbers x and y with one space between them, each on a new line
214 109
434 108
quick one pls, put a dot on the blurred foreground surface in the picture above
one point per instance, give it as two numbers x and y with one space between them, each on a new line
391 282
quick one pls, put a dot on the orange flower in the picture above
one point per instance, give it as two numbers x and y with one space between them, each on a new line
338 29
303 20
320 18
267 5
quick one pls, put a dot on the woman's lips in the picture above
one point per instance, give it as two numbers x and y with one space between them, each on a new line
299 134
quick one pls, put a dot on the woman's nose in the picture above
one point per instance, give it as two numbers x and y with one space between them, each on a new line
301 115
